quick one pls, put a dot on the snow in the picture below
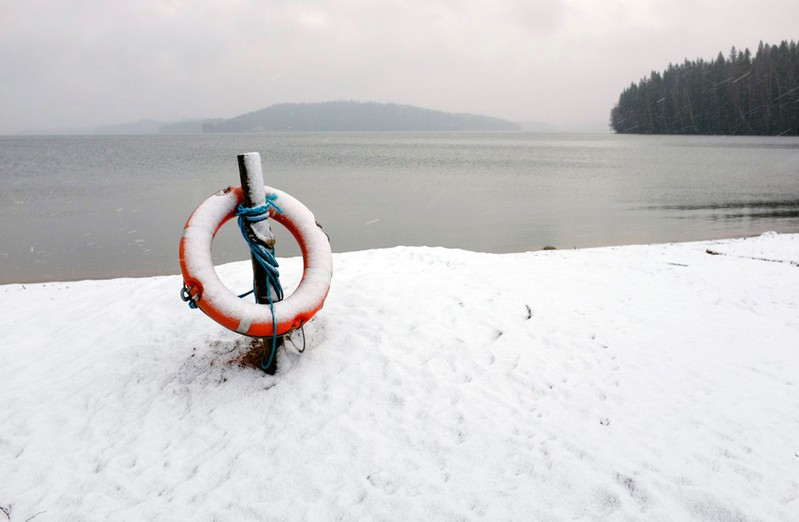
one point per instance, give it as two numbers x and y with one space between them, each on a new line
650 382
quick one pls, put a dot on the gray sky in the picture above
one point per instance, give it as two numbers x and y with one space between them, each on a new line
91 62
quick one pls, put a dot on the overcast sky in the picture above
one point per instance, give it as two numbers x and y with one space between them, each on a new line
81 63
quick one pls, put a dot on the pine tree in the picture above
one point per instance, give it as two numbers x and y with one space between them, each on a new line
738 94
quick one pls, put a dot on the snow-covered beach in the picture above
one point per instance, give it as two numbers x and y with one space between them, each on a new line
656 382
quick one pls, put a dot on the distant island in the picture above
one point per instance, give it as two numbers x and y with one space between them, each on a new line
138 127
334 116
738 95
355 116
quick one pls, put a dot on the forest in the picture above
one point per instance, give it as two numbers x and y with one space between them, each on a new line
742 94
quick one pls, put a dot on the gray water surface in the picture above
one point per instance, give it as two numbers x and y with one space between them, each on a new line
108 206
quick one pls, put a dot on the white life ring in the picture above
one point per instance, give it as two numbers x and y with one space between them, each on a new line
204 287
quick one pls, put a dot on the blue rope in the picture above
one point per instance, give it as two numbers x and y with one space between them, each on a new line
185 294
265 257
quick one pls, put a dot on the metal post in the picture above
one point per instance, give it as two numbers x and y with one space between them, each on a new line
252 185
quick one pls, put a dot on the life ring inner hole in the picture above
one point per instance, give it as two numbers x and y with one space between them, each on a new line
229 247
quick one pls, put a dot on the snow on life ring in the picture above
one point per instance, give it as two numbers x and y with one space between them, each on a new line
206 289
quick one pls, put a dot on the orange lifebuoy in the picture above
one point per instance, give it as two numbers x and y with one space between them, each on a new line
204 287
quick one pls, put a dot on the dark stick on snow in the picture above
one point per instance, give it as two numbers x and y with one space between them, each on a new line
252 185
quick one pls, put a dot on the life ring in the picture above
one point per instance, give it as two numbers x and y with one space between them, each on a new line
203 286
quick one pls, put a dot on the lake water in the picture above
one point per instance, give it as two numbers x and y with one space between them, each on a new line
108 206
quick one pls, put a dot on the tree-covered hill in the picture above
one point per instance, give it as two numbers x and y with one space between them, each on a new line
355 116
741 94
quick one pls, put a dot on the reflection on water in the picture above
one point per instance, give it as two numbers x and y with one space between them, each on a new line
768 210
106 206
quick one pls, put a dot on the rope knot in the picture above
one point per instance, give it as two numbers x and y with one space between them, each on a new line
259 213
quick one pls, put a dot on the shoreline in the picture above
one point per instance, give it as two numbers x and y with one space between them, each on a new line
543 248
